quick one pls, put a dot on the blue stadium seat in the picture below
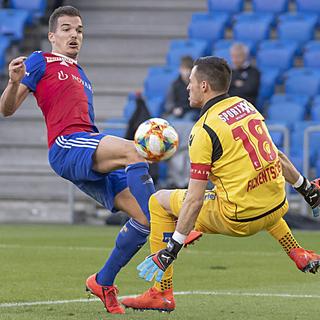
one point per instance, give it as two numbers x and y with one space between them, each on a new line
299 27
276 54
305 82
297 137
223 53
312 45
4 45
158 81
297 72
300 99
268 80
308 6
316 99
252 27
179 48
273 6
155 106
293 112
230 6
315 112
130 106
12 23
311 58
36 8
227 43
115 126
208 26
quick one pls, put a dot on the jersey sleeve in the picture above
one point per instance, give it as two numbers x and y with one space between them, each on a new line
35 68
200 153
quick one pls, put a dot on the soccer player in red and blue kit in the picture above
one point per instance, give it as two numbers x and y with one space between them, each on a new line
94 162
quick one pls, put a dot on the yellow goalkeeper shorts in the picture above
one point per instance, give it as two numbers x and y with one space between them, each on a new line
213 218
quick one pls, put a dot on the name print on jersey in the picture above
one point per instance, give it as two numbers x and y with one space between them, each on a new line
236 112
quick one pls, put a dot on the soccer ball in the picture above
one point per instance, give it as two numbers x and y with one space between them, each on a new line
156 140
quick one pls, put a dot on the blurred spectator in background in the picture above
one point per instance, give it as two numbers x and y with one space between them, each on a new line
245 79
177 102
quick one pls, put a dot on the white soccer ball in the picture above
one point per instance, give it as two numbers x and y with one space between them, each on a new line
156 140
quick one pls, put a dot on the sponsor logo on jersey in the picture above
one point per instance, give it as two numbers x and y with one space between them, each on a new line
62 76
237 112
209 195
81 81
268 174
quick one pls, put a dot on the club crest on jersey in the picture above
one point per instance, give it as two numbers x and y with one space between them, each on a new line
62 76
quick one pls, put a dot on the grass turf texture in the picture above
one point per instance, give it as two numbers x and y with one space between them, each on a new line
247 278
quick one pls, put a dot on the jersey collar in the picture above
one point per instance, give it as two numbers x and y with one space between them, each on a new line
70 60
212 102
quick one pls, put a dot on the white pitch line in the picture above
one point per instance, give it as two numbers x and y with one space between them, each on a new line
187 251
18 246
181 293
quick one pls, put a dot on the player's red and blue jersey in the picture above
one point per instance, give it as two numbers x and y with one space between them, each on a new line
63 92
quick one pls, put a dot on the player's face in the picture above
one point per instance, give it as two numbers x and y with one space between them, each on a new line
67 38
195 92
238 58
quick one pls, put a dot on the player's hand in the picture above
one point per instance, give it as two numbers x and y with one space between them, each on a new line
17 69
156 264
311 194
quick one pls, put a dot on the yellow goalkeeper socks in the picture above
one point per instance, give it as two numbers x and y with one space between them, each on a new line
164 284
282 233
288 242
162 228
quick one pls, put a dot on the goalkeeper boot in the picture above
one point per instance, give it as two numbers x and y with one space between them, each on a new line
306 260
192 237
152 299
107 294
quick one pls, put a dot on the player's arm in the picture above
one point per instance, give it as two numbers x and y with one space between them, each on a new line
309 190
15 92
191 207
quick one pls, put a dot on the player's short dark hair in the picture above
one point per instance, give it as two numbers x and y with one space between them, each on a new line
59 12
187 62
215 71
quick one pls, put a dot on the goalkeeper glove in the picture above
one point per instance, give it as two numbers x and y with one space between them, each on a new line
157 263
311 194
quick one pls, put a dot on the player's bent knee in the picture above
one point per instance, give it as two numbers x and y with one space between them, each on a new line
163 197
132 155
160 199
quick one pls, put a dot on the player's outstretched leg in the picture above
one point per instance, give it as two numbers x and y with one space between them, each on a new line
305 260
107 294
160 296
130 239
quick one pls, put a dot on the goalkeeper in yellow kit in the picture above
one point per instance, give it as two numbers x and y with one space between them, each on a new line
229 145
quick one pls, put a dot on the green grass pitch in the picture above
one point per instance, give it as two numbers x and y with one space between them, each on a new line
43 269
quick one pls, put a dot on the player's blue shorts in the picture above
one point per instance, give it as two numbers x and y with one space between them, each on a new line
71 158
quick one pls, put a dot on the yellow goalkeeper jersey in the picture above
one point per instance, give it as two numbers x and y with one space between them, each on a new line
230 145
